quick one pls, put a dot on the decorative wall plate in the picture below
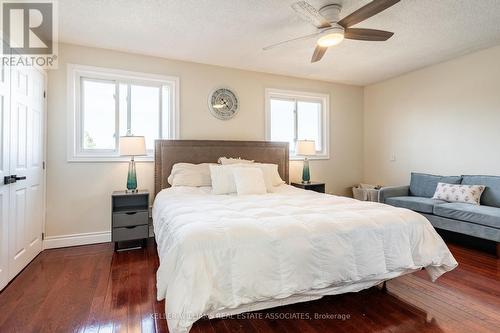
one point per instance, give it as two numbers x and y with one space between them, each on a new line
223 103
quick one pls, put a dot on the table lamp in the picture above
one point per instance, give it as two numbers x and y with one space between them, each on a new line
306 148
132 146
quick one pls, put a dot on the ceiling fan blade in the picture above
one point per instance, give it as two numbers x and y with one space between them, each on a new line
371 9
319 52
291 40
367 34
310 14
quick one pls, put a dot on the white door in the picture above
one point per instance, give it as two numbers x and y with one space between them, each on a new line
4 171
26 162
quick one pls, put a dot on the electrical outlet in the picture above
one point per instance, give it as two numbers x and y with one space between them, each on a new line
393 157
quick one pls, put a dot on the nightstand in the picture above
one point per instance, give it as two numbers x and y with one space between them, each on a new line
312 186
129 218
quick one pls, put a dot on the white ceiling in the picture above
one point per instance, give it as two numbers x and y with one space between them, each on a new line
232 33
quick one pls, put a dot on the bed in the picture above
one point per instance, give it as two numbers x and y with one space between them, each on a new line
226 254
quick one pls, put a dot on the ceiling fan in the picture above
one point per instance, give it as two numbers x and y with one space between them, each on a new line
332 30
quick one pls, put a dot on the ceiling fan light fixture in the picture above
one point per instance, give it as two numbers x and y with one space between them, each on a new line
331 37
331 30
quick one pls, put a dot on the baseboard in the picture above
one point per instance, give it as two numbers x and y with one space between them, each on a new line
53 242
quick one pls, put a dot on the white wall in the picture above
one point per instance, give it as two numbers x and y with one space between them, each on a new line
444 119
78 194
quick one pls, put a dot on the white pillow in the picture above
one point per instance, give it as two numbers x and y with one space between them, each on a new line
249 181
470 194
271 172
187 174
227 161
222 179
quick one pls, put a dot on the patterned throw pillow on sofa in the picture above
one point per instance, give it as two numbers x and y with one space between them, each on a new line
470 194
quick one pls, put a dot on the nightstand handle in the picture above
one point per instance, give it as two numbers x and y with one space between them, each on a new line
131 227
131 213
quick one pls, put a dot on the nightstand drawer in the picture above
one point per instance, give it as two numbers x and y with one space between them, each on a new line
130 233
126 219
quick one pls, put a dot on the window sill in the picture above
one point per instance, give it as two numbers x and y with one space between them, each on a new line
310 158
108 159
139 159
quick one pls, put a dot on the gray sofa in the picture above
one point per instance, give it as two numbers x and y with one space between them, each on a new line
481 221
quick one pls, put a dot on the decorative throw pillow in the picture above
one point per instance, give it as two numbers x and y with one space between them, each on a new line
222 179
228 161
187 174
470 194
271 174
249 181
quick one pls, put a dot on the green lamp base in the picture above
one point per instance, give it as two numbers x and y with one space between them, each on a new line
131 177
306 174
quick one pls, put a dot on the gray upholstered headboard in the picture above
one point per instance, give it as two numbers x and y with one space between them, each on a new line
169 152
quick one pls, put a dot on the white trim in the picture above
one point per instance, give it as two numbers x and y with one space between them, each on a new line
53 242
325 113
110 159
75 72
44 162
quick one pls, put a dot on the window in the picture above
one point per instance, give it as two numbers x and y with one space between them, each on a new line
292 116
107 104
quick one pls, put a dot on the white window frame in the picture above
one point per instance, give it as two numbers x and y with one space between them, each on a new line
324 99
75 74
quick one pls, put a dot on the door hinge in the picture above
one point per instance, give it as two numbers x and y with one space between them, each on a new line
43 235
44 94
43 165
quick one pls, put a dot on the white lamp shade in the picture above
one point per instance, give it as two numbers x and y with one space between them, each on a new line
132 146
305 147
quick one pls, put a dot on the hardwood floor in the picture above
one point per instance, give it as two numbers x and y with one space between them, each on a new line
93 289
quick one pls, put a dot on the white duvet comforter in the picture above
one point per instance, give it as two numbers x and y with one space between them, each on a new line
223 251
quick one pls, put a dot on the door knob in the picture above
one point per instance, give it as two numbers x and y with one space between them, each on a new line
8 180
12 179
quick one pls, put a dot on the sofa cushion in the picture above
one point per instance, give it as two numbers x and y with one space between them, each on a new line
424 185
483 215
470 194
491 195
418 204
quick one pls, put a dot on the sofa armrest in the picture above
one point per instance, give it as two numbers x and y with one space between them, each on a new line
393 191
